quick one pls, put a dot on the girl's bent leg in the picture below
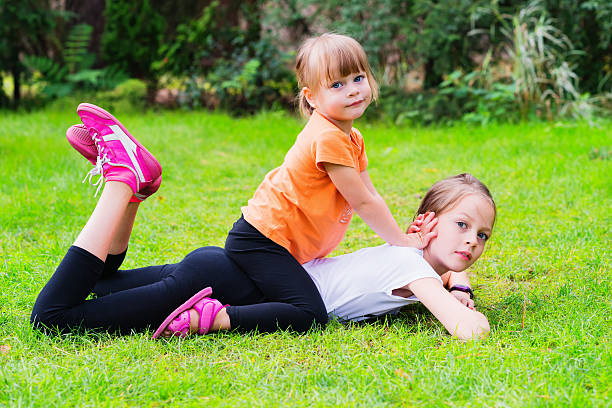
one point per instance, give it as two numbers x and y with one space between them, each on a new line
142 307
84 262
119 243
70 285
293 300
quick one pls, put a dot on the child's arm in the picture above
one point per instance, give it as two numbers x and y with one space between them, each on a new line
450 279
358 190
461 278
459 321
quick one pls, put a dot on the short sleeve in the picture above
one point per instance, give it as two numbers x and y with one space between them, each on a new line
333 147
419 268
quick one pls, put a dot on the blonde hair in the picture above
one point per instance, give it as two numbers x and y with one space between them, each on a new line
322 59
445 194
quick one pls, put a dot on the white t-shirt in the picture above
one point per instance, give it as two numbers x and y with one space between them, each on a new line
358 285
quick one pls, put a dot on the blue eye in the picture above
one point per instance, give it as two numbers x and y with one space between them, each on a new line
336 85
483 236
462 224
359 78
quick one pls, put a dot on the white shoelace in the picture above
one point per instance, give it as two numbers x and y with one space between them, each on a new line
98 169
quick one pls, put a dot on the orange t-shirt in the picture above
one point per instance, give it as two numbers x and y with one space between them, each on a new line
297 205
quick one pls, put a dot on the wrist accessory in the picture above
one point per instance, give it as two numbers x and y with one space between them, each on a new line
463 288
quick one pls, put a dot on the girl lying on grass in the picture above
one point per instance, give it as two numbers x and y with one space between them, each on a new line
369 282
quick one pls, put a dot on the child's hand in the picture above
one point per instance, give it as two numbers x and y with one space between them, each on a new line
421 230
416 224
464 298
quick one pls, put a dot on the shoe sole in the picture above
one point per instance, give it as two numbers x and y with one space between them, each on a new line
90 152
185 306
98 111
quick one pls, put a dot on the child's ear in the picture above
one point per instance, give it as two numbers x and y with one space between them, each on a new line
307 92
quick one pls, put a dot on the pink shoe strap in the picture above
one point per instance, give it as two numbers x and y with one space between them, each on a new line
208 310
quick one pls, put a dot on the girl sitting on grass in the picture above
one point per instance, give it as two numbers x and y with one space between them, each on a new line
366 283
302 209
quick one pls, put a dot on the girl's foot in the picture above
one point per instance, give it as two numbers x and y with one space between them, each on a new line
78 136
196 315
120 157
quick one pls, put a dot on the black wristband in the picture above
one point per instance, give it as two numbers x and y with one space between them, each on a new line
463 288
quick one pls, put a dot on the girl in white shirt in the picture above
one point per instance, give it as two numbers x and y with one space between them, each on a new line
456 219
379 280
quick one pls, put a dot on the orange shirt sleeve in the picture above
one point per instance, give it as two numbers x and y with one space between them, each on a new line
336 147
333 147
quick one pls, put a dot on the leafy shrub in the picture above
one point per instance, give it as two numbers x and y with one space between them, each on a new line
192 46
26 27
74 70
227 66
427 107
481 99
533 76
588 24
543 67
254 77
129 96
132 36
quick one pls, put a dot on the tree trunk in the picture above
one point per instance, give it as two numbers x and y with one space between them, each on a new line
16 72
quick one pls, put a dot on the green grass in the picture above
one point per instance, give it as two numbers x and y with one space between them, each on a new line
543 282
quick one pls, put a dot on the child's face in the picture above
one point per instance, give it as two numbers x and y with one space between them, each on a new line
462 234
344 100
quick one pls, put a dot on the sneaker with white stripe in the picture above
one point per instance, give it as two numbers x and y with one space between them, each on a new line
120 156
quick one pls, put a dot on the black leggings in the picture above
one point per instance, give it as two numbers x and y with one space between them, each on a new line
277 293
138 299
292 297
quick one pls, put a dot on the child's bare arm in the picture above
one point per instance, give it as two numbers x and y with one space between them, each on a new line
459 321
363 198
367 181
461 278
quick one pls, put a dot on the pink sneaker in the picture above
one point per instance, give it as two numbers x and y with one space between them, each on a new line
120 156
178 321
78 136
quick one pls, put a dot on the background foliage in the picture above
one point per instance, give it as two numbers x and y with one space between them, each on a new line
437 60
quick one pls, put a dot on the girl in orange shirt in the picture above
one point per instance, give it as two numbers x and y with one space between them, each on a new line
302 209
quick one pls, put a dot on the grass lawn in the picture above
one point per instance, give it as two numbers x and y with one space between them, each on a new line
542 282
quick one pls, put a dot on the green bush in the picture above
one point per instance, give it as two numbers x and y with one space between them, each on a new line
26 26
588 25
255 77
227 66
74 69
132 36
129 96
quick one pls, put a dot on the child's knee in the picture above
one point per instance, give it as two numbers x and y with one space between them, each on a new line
41 319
